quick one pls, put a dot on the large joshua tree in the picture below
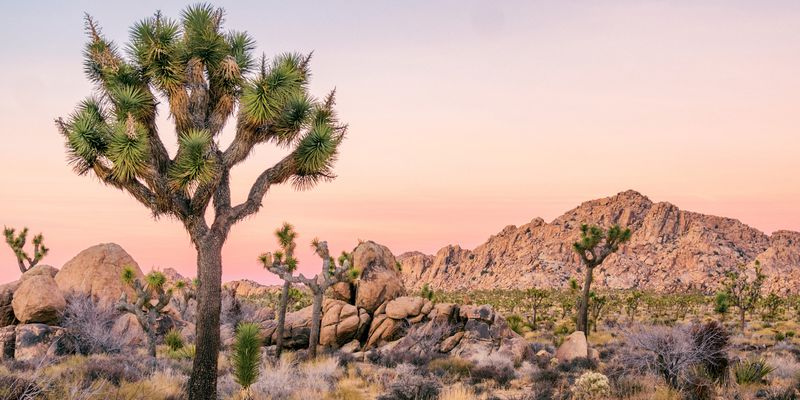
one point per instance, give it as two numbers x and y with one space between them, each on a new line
331 273
593 248
206 75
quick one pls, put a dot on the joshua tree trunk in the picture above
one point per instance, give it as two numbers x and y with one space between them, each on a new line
741 318
203 381
533 325
316 322
284 301
583 320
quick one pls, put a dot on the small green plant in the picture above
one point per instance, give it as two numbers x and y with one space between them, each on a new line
246 356
151 299
186 352
515 323
779 336
17 244
174 340
722 304
752 371
426 292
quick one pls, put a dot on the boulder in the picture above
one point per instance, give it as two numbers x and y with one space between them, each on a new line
38 300
33 341
8 336
443 312
6 309
341 323
384 329
97 271
574 346
40 270
350 347
127 328
297 328
341 291
405 307
379 277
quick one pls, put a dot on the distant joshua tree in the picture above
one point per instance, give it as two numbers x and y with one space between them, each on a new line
151 299
632 302
206 76
744 292
538 299
17 244
593 248
285 257
597 304
331 273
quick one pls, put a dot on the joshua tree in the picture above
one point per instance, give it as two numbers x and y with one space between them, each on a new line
206 75
284 257
426 292
722 304
632 304
596 305
17 244
151 298
187 291
537 298
593 248
330 274
742 291
772 306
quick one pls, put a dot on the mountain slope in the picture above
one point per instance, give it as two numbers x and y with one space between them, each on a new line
670 250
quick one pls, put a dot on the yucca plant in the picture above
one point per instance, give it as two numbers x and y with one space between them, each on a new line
17 244
207 75
331 273
751 371
246 355
151 299
174 340
595 245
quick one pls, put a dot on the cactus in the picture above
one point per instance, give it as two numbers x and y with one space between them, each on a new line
143 308
17 244
331 273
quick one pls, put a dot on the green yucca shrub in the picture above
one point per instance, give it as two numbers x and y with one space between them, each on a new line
246 356
752 371
516 323
174 340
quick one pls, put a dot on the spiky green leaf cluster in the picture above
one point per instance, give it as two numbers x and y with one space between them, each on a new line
194 162
265 98
128 275
128 150
246 355
202 39
87 135
155 47
156 279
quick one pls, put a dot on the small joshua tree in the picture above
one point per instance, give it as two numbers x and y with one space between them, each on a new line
284 257
538 299
17 244
772 307
187 291
743 291
593 248
246 355
632 304
722 304
597 304
331 273
151 298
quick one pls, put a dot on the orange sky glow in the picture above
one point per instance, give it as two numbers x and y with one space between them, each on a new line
464 117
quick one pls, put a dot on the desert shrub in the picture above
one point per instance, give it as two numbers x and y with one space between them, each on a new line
458 392
591 386
246 354
451 366
184 353
173 340
779 336
786 366
112 370
672 352
546 377
516 323
278 380
699 384
494 367
412 387
711 342
18 387
626 386
320 374
751 371
577 364
88 325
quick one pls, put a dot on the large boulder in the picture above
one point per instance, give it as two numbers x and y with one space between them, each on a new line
37 340
574 346
406 307
6 309
341 323
8 335
38 300
297 328
97 271
127 328
40 270
379 276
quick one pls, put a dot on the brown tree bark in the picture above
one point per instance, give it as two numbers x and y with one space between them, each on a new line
284 301
316 323
583 314
203 381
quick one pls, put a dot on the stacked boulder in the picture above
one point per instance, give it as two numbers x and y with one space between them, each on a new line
31 308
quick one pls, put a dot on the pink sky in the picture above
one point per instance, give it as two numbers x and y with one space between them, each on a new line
464 117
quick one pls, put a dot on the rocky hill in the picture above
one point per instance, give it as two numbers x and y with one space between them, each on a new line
670 249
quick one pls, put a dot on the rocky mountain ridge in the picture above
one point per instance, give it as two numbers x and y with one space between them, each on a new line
670 250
